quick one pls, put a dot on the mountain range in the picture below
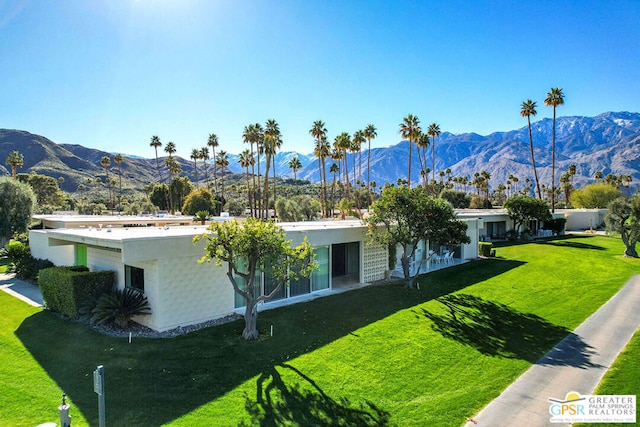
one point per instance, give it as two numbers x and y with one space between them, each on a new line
609 143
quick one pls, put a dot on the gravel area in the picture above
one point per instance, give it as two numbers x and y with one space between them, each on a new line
140 331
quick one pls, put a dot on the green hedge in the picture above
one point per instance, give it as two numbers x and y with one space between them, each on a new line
66 289
484 248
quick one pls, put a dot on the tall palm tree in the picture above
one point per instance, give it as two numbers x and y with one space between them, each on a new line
119 159
337 156
295 165
223 161
422 142
433 130
358 140
155 143
554 98
271 136
528 109
14 159
334 169
369 133
319 132
246 159
253 134
195 155
213 142
204 155
354 148
343 143
106 162
410 129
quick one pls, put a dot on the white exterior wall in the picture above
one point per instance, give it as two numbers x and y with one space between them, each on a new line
583 219
59 255
186 292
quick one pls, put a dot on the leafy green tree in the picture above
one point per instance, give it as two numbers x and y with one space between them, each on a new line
199 200
405 216
180 189
594 196
554 98
458 199
523 209
159 196
297 208
246 247
17 202
528 109
14 159
623 217
48 194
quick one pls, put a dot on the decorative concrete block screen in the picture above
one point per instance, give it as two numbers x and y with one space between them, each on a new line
375 262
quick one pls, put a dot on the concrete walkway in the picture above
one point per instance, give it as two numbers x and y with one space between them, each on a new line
20 289
577 363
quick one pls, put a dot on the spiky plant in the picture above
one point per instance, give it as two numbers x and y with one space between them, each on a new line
120 306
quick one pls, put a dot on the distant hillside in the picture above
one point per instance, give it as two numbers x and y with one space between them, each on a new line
609 142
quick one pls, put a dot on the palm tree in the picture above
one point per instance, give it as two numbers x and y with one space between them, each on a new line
334 169
343 143
174 169
14 159
195 155
223 161
410 129
598 176
369 133
204 155
213 143
106 162
358 140
271 136
295 165
528 109
433 131
119 159
155 143
354 148
554 98
319 132
572 172
246 159
422 142
253 134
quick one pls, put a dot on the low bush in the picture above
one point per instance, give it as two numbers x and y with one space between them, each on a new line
556 225
484 248
67 289
23 264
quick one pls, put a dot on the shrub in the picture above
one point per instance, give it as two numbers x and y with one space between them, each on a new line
199 200
24 265
593 196
484 248
120 306
480 202
66 289
236 207
458 199
556 225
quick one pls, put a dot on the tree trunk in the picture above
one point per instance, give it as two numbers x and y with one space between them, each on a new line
629 244
404 260
250 331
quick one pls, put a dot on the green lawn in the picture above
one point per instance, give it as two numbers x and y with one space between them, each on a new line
376 356
622 378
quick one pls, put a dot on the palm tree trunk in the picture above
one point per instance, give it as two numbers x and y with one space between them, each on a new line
409 171
553 163
266 185
533 159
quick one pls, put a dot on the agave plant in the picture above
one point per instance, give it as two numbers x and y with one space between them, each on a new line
120 306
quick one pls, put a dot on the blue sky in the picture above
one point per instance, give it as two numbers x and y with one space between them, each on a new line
109 74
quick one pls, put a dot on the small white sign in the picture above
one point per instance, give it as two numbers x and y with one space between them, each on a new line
593 408
97 382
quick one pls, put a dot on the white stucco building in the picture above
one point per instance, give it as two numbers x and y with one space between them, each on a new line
162 261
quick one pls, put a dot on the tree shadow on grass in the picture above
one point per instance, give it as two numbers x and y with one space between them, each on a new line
498 330
575 245
305 403
152 382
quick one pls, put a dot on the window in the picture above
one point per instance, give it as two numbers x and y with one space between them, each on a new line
134 277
